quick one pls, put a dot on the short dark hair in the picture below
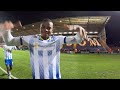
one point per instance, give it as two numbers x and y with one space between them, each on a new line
46 20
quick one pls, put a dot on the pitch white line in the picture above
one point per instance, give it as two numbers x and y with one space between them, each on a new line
6 73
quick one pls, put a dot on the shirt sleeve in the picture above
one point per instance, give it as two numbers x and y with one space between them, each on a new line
15 41
62 39
70 39
73 39
24 40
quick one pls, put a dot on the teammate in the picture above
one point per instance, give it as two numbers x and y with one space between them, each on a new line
8 59
44 48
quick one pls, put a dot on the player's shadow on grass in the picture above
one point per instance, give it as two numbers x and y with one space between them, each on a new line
2 76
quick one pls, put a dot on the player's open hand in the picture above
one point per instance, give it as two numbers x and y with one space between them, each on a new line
82 32
8 25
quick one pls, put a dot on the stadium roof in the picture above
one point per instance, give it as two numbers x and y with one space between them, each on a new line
90 23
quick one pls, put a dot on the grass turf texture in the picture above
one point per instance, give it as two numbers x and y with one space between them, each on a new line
73 66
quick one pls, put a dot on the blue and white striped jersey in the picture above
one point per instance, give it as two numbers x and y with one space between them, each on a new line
45 56
7 52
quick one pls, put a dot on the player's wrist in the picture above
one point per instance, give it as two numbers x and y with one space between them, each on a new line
79 38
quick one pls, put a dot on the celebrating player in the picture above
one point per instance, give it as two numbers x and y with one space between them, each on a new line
44 48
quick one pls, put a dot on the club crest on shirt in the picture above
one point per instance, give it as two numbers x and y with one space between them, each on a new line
36 45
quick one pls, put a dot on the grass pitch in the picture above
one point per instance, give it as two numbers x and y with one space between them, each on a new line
73 66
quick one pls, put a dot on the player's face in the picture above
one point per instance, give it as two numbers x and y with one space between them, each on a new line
46 29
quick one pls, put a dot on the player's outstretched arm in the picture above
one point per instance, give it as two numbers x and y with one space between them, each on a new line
79 37
5 29
7 47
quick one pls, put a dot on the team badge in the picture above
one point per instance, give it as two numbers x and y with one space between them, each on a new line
36 45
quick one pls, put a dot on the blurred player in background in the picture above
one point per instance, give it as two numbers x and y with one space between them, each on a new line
8 59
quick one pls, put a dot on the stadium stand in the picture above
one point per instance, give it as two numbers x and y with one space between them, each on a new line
94 25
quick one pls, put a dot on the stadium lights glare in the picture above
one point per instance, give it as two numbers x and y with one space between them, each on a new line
60 32
70 32
95 19
33 25
75 32
55 33
65 32
80 21
60 21
89 19
95 32
90 32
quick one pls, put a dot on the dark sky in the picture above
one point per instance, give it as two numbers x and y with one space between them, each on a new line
27 17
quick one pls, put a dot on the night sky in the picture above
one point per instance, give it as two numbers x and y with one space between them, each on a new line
28 17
